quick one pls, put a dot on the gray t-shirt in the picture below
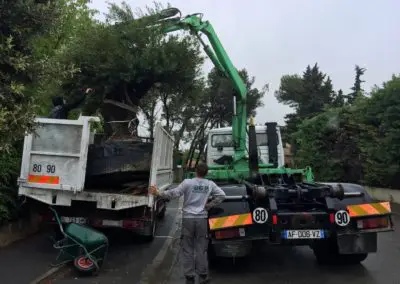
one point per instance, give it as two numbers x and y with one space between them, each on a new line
196 192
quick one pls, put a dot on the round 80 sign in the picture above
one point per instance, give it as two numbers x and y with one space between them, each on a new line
260 215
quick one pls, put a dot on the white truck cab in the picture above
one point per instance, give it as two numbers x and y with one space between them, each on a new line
220 144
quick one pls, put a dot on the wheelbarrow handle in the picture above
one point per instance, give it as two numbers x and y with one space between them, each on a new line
57 219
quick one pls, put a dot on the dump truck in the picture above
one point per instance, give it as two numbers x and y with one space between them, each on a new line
267 202
95 180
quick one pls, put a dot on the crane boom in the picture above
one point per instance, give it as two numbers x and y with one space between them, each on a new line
194 24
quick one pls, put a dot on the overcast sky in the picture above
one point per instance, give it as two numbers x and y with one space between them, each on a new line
273 38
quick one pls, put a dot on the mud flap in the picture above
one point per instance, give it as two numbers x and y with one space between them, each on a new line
357 243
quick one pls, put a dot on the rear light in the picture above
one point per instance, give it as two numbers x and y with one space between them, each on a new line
373 223
332 218
229 234
132 224
274 219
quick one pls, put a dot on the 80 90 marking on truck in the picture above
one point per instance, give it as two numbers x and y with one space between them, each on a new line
50 169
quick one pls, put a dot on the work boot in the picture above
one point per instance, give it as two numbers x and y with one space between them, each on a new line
190 280
204 279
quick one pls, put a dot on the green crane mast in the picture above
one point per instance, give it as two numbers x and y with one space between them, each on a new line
170 20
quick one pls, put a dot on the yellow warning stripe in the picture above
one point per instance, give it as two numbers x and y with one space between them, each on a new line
230 221
361 210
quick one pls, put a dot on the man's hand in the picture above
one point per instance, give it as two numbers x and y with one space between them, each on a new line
153 190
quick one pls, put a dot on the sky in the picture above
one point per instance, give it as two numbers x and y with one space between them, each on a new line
274 38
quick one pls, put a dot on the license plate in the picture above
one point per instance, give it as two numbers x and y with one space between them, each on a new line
77 220
303 234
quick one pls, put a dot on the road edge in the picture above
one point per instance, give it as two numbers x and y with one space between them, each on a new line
47 274
154 271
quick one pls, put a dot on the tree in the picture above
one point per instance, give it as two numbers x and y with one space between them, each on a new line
123 60
357 90
308 95
21 23
221 91
216 107
339 99
23 62
378 120
328 142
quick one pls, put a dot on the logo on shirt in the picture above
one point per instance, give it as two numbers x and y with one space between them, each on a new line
200 188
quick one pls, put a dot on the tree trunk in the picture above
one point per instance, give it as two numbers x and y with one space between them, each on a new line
180 133
164 98
195 141
192 148
203 142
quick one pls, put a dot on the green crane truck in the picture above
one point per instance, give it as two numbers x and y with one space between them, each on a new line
267 201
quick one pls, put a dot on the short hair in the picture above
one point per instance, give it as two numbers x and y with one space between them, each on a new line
202 170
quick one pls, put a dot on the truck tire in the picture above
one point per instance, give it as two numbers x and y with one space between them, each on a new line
354 258
161 214
150 238
212 257
327 253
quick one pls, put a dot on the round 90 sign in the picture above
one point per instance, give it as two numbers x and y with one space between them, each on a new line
342 218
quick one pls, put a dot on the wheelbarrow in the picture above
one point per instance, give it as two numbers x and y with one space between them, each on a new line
85 247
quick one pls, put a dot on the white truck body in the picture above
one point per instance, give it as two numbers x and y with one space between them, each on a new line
54 164
220 143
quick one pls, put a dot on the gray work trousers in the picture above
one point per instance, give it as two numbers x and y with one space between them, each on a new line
194 245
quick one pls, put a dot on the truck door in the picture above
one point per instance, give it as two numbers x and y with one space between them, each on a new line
55 156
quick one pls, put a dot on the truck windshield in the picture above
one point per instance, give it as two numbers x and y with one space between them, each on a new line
221 140
225 140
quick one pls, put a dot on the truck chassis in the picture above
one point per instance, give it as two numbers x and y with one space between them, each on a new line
339 222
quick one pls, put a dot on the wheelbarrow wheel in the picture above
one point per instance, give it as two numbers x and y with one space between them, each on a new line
84 265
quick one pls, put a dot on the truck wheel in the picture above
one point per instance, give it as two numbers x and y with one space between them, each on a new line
150 238
354 258
326 252
161 214
212 257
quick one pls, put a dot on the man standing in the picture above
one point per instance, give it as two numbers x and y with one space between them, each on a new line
196 193
61 108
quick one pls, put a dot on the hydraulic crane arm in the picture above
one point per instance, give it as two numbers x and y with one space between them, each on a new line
193 23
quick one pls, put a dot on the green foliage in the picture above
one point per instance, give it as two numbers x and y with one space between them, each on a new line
308 95
328 143
357 91
9 165
379 121
350 138
221 91
21 23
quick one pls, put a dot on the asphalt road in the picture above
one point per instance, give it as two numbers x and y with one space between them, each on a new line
128 261
289 265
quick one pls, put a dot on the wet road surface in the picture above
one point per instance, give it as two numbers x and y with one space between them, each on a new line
127 259
290 265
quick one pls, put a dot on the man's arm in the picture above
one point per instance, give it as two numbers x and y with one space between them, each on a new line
172 193
77 102
218 196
